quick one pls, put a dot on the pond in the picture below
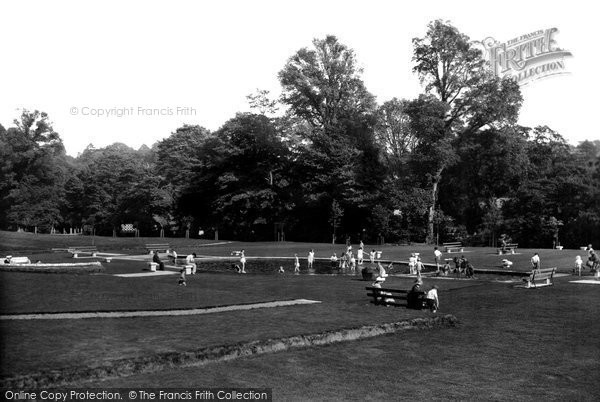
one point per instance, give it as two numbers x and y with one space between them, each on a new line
271 266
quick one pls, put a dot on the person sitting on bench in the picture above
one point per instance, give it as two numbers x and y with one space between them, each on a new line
156 259
191 260
414 294
377 284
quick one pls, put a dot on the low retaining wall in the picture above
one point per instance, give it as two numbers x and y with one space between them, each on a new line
55 268
158 362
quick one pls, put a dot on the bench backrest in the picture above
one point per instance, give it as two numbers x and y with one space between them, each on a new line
394 292
541 274
452 244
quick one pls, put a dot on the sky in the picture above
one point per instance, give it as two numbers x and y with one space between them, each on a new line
135 71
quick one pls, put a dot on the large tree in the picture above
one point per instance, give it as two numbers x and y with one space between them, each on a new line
337 157
454 72
32 172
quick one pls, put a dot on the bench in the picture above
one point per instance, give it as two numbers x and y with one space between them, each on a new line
151 248
400 297
92 250
510 247
448 247
536 276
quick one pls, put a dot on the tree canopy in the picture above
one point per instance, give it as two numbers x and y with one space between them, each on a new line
326 161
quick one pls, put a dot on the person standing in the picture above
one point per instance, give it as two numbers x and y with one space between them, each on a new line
412 263
311 258
578 265
438 258
419 267
352 261
360 255
243 261
296 264
535 261
372 256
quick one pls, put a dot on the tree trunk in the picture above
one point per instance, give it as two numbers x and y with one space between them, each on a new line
430 220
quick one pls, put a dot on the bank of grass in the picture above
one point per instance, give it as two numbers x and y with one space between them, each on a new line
511 344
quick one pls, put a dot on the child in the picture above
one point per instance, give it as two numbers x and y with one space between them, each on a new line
432 299
281 271
377 284
311 258
243 261
296 264
333 260
182 281
412 262
372 256
578 265
446 269
359 255
352 262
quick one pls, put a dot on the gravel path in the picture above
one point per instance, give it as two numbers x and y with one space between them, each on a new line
154 313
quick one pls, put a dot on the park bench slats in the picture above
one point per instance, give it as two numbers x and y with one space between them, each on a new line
76 250
510 247
449 247
400 296
540 277
152 247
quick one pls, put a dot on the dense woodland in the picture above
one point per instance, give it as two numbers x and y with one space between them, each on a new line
326 161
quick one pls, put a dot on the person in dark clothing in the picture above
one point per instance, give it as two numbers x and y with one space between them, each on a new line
156 259
415 296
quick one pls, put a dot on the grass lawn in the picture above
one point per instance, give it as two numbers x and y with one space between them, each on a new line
511 344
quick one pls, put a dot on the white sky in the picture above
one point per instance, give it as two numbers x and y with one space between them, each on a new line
208 55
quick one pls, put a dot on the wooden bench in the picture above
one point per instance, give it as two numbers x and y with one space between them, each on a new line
510 247
545 276
448 247
400 297
151 248
92 250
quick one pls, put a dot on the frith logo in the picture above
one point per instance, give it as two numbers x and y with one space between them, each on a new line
527 57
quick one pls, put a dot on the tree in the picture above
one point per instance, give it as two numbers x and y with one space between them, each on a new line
454 72
242 184
337 155
32 172
261 102
394 134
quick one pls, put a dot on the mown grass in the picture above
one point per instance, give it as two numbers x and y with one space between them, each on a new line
511 344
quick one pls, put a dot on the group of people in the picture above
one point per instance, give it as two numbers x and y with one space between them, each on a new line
190 260
416 297
593 262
